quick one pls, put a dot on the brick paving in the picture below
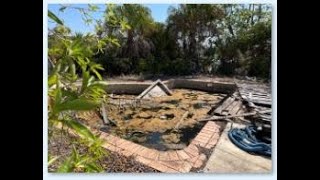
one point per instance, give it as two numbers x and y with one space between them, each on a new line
173 161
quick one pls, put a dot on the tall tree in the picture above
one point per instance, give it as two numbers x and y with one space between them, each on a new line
192 24
135 42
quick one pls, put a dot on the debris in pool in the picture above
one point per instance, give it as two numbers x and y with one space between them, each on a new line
138 139
156 89
190 115
198 105
173 101
175 146
168 106
144 115
156 117
171 138
167 116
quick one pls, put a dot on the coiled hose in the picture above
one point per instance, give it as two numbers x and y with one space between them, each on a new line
246 140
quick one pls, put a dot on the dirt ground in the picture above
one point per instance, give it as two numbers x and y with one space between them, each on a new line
112 163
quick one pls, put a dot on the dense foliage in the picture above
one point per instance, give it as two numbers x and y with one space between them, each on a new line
70 58
196 38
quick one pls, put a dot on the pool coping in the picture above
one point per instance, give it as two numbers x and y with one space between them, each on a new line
172 161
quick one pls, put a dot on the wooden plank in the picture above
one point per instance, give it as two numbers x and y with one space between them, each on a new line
230 116
104 114
257 101
260 98
241 111
245 96
180 121
230 107
258 95
261 108
262 102
265 116
255 91
236 108
225 104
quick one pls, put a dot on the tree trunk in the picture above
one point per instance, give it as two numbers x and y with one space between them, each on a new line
248 20
252 16
193 50
229 25
260 12
128 51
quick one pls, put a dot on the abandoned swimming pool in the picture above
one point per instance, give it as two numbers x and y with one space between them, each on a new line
161 123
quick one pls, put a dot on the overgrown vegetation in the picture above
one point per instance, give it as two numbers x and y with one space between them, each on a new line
196 38
71 57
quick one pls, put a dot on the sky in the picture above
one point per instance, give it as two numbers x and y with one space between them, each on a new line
72 18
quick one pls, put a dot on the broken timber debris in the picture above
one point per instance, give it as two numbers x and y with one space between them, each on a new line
104 114
232 116
180 121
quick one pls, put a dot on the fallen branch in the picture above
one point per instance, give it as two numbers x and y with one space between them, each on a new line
182 118
104 114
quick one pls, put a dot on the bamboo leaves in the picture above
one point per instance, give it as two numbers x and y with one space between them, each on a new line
53 17
71 56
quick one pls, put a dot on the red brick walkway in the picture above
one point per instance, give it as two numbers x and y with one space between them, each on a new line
173 161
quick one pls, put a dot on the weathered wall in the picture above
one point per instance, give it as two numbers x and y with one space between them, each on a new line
214 87
169 83
136 88
126 88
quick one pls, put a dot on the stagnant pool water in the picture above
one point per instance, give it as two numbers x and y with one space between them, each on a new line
162 123
156 140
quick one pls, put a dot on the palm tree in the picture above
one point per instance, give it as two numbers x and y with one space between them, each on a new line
135 42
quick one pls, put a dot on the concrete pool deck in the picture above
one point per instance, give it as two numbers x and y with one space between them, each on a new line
228 158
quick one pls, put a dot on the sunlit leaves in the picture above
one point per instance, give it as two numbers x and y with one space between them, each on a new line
62 8
124 25
67 165
94 67
53 17
93 7
52 159
52 80
71 56
77 162
80 129
80 104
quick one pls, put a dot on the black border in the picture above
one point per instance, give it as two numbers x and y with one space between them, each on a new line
23 77
23 82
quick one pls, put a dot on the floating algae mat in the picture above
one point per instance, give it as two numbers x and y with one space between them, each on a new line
162 123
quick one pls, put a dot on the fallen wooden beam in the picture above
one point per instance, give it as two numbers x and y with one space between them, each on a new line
232 116
180 121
